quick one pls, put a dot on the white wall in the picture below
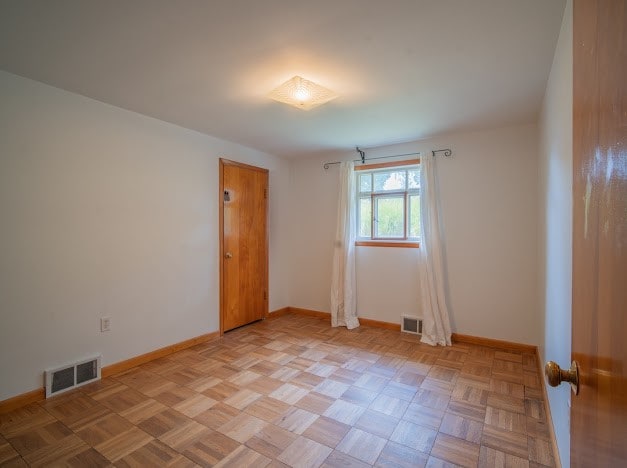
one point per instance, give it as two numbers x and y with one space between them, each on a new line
105 212
555 226
488 192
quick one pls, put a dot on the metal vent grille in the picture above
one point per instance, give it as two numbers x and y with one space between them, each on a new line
62 379
86 371
72 375
411 324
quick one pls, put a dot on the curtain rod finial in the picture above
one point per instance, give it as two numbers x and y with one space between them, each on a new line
447 152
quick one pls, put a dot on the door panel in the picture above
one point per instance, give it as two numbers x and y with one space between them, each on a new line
599 412
244 244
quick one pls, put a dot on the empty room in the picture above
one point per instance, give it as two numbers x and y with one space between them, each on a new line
340 233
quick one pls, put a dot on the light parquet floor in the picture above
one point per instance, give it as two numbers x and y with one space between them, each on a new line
293 391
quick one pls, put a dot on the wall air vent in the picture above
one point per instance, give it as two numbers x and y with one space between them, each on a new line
411 324
69 376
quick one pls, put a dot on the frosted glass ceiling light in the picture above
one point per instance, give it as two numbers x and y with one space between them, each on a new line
302 93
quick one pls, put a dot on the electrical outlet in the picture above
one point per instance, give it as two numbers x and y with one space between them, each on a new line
105 324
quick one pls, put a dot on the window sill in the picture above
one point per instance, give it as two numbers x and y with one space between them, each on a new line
405 244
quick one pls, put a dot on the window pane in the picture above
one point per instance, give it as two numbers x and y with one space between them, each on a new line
365 217
414 216
365 183
389 181
413 179
390 217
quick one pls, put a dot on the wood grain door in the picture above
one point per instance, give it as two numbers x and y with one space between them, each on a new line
244 244
599 334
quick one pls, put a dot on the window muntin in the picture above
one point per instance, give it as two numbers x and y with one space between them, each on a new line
388 204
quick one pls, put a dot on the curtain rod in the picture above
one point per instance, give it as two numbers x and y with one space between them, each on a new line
362 156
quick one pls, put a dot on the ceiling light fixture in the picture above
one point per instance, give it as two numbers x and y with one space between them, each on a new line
302 93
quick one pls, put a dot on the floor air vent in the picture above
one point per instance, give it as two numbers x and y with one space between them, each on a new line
411 324
72 375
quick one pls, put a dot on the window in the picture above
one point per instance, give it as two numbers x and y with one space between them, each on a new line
388 204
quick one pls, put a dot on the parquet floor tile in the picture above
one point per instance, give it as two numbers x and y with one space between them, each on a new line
244 456
305 453
431 399
241 399
57 452
331 388
327 431
538 429
491 458
462 428
401 391
359 396
104 429
504 419
377 423
540 451
184 435
154 453
23 420
242 427
271 441
414 436
395 455
535 409
435 462
92 458
507 388
293 391
7 453
454 450
344 412
437 385
210 449
501 439
506 402
162 422
296 420
142 411
342 460
362 445
424 416
466 410
41 436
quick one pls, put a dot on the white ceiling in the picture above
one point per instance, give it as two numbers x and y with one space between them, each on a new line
404 69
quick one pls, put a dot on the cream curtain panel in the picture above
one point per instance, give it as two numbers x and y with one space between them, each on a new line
343 284
436 329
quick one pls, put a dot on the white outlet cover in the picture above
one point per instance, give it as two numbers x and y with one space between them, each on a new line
105 324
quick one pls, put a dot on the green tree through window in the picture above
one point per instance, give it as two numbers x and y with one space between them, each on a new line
388 204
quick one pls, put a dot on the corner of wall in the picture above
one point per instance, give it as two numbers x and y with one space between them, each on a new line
555 227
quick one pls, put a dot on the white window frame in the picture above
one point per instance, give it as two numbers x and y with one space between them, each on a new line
373 240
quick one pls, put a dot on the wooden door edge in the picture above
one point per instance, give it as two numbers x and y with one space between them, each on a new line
266 311
221 242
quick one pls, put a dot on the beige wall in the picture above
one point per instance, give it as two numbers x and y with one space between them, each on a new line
105 212
488 193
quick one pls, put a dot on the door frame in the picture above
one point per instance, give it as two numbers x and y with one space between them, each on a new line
228 162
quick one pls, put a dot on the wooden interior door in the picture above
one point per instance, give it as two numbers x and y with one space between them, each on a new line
244 244
599 334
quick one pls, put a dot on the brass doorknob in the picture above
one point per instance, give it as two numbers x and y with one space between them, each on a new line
228 255
556 375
